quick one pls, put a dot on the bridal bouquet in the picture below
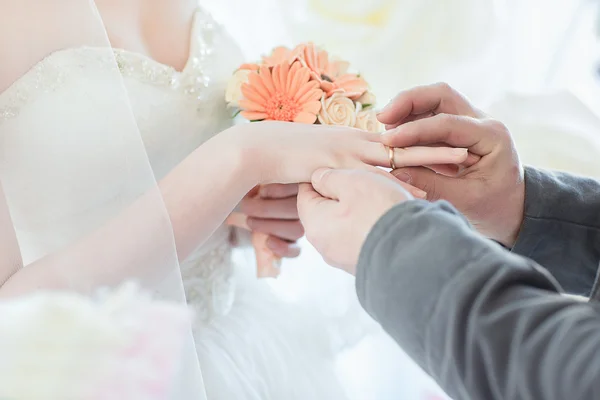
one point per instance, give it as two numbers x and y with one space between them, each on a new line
303 85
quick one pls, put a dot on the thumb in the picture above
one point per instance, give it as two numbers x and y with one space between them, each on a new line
332 183
437 186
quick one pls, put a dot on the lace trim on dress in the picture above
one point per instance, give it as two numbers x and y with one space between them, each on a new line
52 72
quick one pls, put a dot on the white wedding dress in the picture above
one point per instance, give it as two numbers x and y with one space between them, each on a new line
251 344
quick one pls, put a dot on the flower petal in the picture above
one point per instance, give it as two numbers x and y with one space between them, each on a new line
250 93
304 89
248 105
304 117
250 67
292 77
283 76
327 86
312 107
302 78
255 81
277 78
310 95
267 78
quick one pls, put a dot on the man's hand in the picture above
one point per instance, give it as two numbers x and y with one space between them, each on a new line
490 191
275 212
340 208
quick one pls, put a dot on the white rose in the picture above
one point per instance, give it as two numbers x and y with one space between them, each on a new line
367 99
337 110
233 94
366 120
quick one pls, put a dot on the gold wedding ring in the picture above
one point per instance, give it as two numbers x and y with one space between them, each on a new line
391 154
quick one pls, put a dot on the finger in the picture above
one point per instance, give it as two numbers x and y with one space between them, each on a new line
287 230
456 131
410 118
406 156
414 191
311 204
332 183
239 220
283 249
278 191
270 209
422 155
437 98
437 186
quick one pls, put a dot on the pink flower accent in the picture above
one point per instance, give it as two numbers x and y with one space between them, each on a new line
332 75
283 93
280 55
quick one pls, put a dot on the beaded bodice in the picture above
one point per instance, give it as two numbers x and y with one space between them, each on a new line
175 111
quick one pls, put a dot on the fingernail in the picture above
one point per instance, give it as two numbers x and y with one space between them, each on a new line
386 108
419 194
238 219
389 132
403 176
320 174
263 192
459 152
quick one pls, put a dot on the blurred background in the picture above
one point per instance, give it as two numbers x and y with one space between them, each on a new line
533 64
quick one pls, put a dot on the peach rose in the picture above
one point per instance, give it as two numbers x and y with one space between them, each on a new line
367 99
233 94
367 121
337 110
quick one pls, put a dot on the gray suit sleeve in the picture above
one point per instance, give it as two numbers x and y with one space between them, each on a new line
484 323
561 227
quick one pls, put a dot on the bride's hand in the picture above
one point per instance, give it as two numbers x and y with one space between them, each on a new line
290 152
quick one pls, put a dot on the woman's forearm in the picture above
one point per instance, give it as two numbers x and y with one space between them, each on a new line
190 203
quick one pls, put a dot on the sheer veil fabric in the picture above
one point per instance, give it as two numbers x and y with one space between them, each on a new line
80 208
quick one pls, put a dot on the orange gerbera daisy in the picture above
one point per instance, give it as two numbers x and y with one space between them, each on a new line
332 75
282 93
278 56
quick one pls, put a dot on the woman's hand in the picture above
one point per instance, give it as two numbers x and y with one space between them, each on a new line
273 210
290 152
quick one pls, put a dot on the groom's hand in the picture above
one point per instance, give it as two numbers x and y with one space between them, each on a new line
341 206
490 191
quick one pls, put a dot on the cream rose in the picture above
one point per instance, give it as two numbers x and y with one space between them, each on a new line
366 120
367 99
233 94
337 110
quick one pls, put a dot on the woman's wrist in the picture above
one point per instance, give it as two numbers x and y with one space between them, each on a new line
254 160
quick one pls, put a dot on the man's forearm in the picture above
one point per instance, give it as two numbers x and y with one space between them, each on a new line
561 225
486 324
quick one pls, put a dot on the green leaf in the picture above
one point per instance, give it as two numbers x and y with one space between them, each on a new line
256 120
236 114
365 106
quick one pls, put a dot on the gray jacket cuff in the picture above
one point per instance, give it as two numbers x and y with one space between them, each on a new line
561 227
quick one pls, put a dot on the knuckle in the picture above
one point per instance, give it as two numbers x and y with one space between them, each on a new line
444 87
432 190
496 128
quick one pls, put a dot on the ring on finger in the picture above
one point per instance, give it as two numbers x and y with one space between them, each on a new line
391 154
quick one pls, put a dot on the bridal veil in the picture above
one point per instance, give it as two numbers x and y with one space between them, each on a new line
80 208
